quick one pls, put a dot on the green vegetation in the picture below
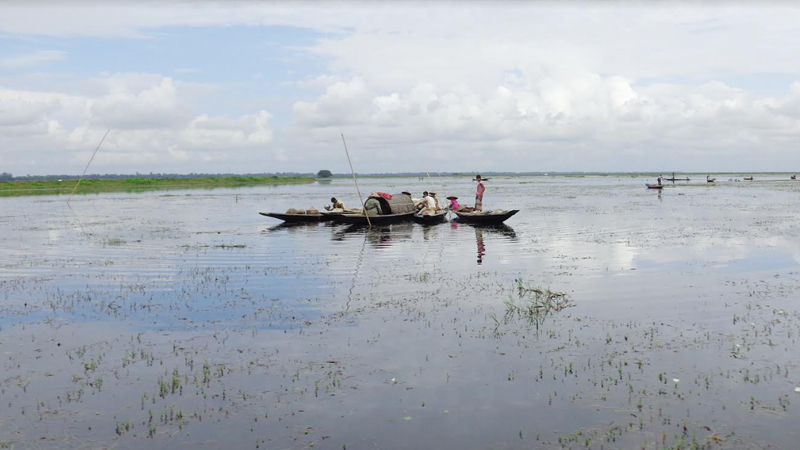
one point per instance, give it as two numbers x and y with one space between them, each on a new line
324 174
55 187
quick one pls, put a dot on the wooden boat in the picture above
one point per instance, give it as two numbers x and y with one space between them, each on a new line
360 219
488 218
676 179
748 179
654 186
438 217
294 218
710 180
399 208
793 177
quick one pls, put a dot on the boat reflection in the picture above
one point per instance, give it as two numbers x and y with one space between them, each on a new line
292 227
378 236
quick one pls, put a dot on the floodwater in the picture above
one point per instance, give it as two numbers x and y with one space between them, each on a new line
183 319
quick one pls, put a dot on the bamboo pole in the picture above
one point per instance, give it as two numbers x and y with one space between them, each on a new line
87 166
356 181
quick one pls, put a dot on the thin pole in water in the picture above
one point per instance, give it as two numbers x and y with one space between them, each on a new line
87 166
355 181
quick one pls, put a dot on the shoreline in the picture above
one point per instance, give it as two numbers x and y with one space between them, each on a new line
91 186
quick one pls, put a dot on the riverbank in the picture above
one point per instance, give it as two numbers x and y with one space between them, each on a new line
56 187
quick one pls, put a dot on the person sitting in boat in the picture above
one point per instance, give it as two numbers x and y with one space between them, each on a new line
427 206
372 206
435 200
453 203
335 204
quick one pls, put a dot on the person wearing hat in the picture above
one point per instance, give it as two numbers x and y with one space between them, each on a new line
479 194
453 203
372 206
435 200
427 205
335 204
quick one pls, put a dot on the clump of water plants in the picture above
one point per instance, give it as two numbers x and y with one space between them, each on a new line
534 304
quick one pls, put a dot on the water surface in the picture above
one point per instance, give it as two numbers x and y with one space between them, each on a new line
186 318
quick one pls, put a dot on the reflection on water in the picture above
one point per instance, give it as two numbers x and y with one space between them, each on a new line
481 245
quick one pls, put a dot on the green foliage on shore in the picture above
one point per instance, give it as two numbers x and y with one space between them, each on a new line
56 187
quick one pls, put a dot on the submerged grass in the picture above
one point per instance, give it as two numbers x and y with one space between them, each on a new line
56 187
535 304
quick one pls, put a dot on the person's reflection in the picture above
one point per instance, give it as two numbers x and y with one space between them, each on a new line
659 196
481 247
426 233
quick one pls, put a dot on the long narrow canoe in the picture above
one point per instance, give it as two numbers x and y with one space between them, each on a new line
676 179
360 219
654 186
295 218
485 218
438 217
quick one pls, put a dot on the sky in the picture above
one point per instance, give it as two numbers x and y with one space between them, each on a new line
254 87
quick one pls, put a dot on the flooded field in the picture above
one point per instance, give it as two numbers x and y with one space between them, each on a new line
603 316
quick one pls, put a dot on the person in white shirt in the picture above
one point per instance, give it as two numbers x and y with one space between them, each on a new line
427 205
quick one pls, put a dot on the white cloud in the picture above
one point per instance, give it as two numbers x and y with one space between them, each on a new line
32 59
129 106
536 86
153 127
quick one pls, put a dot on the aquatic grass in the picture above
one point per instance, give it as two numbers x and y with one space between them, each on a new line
535 304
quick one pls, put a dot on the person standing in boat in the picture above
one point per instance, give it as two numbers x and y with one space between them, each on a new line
427 205
372 206
479 194
659 180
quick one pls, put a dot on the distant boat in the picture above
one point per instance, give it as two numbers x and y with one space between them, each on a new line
710 180
677 179
748 179
654 186
793 177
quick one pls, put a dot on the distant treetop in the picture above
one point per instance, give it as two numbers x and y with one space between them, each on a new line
324 174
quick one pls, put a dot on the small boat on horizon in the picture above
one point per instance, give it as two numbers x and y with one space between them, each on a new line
654 186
